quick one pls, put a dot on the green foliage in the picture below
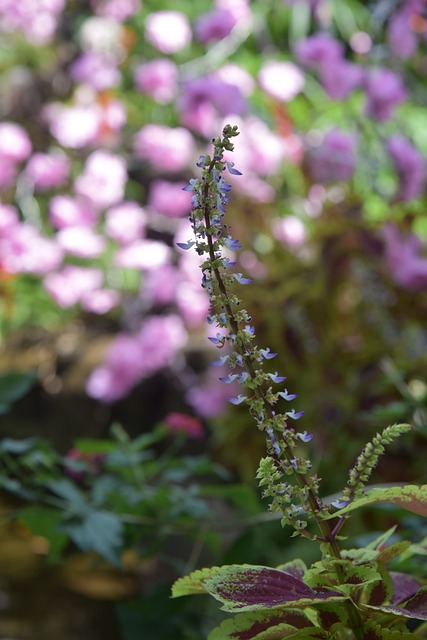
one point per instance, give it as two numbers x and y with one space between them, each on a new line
13 386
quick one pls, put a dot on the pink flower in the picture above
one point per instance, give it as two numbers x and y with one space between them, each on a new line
126 222
335 158
169 199
24 250
117 9
168 31
157 79
385 91
160 285
103 180
402 257
65 211
15 145
410 167
131 358
8 172
238 76
81 242
211 397
75 126
97 70
36 20
9 219
192 303
165 148
67 287
282 80
339 78
239 9
183 423
318 50
100 301
48 170
143 254
215 25
401 39
290 230
206 98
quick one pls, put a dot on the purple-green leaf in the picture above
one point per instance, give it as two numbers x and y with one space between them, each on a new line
415 607
251 587
261 624
403 587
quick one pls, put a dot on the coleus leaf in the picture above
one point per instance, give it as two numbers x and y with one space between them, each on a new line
404 586
410 497
415 607
261 625
296 568
379 592
251 587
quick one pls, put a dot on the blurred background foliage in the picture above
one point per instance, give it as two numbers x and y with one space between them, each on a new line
122 465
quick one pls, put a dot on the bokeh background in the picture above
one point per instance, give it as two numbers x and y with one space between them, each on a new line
122 464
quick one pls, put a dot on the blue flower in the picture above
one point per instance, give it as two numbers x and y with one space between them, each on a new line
304 436
192 185
240 279
233 171
340 504
221 361
249 330
231 243
276 378
294 415
186 245
230 378
287 396
266 354
218 339
237 400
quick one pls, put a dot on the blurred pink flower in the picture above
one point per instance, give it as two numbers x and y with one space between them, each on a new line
238 76
68 286
24 250
48 170
289 230
169 199
193 303
103 180
215 25
318 50
282 80
402 40
410 166
384 91
100 301
73 126
183 423
168 31
131 358
335 157
206 98
81 241
239 9
8 172
9 219
157 79
143 254
15 144
125 223
98 70
36 20
339 78
117 9
160 285
66 211
165 148
210 398
403 260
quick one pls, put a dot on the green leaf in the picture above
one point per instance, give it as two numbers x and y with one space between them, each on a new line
45 522
261 625
18 447
410 497
68 491
13 386
193 583
99 531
